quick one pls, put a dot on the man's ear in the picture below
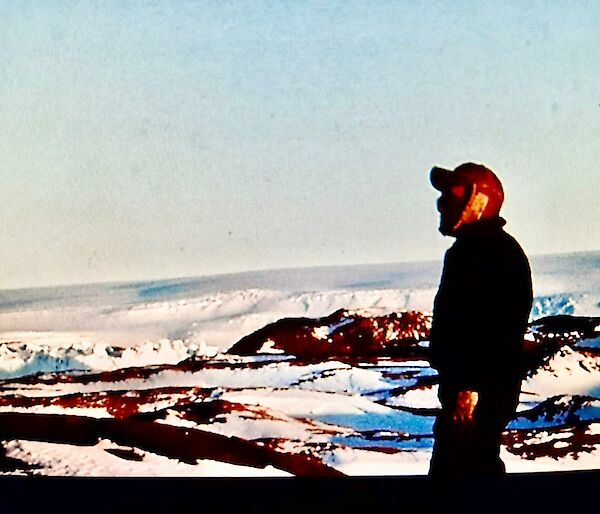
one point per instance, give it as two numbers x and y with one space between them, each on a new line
474 209
479 203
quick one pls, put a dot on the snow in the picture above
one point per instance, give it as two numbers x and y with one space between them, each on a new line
590 342
95 461
423 398
325 331
60 352
356 462
568 372
216 321
582 461
366 418
351 411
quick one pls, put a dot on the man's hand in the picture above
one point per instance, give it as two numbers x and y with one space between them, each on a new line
465 407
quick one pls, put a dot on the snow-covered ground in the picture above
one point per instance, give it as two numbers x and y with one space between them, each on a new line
142 369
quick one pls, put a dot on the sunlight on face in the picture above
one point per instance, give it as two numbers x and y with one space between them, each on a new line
450 206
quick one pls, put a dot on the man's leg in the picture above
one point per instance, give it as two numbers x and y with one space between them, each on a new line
492 416
441 458
465 450
451 456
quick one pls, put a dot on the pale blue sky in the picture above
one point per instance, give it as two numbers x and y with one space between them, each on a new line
157 139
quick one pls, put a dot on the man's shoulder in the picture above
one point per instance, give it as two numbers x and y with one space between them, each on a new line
509 242
489 250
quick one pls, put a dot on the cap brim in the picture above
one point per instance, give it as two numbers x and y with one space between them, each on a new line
442 179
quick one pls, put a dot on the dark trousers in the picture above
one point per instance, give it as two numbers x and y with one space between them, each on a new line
472 450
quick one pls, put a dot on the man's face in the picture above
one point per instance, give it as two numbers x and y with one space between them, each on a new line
451 205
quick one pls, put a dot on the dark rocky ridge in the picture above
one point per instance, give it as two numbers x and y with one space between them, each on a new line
342 333
351 334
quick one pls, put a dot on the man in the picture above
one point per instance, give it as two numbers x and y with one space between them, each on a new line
479 319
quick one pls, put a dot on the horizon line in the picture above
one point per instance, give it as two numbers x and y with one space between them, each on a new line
258 270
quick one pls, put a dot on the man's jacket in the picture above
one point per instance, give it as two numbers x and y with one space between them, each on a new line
481 310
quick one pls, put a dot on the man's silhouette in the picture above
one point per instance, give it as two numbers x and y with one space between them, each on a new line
479 319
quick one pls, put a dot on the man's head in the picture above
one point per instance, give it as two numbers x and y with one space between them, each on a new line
470 192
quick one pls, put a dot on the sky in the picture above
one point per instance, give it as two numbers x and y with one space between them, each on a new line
160 139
